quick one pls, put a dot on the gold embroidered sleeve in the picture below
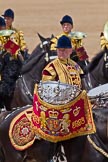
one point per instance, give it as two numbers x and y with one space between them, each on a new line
22 44
54 43
48 74
103 42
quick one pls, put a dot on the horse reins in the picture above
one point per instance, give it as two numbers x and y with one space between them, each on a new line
88 75
28 93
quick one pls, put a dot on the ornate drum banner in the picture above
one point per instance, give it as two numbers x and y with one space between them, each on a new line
57 122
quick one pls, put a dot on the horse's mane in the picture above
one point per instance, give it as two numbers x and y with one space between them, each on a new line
33 59
94 62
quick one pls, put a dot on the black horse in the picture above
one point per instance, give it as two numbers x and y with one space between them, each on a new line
96 147
96 71
79 149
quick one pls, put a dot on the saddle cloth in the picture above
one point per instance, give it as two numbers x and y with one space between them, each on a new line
20 133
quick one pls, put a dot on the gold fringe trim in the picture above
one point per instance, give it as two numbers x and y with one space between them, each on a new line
58 107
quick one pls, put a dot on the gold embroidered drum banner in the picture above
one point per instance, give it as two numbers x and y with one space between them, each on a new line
61 122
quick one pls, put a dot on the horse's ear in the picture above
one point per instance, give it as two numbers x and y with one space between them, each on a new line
42 39
52 36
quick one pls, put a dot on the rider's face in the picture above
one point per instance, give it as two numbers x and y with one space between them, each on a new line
64 53
67 27
9 22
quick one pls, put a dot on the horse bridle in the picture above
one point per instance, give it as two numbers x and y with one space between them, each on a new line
106 60
27 92
45 46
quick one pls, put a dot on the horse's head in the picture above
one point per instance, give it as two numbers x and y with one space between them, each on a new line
45 46
41 53
97 70
105 70
45 42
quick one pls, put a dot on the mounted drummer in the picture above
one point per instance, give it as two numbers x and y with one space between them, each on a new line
79 53
17 36
61 109
63 68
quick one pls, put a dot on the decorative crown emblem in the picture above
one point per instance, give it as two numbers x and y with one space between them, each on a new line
53 114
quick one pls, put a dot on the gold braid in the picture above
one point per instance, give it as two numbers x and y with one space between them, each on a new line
107 128
96 147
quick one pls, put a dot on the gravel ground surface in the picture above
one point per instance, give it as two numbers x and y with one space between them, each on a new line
34 16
